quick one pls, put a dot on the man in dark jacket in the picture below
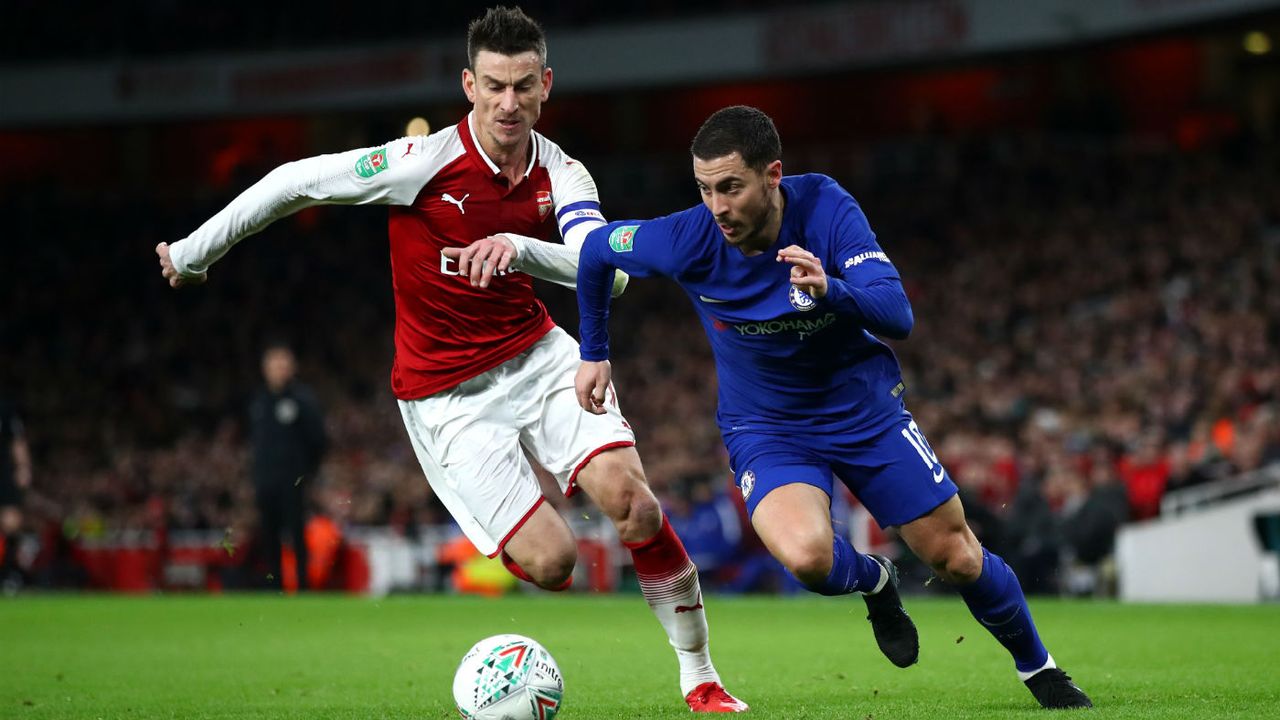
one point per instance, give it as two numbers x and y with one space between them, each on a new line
15 478
287 434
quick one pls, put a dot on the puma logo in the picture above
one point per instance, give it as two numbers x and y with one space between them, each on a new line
686 608
449 199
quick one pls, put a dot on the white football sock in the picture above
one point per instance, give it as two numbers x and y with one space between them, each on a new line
676 599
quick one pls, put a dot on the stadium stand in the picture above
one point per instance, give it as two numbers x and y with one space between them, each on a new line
1072 341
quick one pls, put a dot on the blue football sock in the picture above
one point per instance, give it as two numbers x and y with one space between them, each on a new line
996 600
851 571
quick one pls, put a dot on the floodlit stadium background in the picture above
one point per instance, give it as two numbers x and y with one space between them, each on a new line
1081 197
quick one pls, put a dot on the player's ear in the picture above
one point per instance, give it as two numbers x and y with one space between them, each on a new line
546 83
773 173
469 84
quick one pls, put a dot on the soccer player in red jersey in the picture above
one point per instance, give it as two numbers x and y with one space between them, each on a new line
481 372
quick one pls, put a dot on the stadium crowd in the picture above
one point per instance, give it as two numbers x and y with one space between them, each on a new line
1096 325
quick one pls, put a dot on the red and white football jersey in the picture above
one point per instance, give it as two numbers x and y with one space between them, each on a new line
444 192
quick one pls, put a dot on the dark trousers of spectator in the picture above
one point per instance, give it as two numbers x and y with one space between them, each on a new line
281 510
9 570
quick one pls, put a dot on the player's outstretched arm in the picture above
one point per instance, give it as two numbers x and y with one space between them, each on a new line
355 177
619 246
497 254
577 213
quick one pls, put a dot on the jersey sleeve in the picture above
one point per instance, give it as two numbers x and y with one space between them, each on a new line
865 283
391 174
640 249
577 203
577 207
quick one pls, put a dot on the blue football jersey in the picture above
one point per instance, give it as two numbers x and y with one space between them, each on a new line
787 362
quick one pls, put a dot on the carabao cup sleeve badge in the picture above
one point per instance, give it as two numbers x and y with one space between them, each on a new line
622 239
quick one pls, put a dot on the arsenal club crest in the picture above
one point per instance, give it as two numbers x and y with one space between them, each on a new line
544 203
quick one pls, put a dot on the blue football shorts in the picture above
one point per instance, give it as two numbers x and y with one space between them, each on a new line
895 474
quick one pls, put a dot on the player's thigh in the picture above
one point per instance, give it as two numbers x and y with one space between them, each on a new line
794 522
543 539
896 475
472 459
562 437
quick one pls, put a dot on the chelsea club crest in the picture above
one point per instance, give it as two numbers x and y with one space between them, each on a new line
748 483
801 300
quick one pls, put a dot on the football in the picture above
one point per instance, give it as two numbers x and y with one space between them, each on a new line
508 677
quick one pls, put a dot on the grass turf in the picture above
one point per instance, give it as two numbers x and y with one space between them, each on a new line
339 657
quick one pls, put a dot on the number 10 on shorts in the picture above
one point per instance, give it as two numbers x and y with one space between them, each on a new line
913 435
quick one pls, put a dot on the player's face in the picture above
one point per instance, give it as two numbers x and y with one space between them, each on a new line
507 92
744 201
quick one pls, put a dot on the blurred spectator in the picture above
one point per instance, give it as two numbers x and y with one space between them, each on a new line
15 477
288 438
1092 511
1145 473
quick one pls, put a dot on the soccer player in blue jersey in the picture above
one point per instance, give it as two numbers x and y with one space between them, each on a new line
792 290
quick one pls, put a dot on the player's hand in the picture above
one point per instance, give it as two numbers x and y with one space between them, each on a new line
171 274
482 258
592 385
806 270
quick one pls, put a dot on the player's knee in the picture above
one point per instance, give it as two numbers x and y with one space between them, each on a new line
552 572
637 515
959 561
808 560
629 503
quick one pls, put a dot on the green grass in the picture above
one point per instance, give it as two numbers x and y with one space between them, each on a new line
337 657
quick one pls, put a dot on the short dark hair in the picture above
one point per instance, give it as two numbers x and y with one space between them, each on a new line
277 342
741 129
506 31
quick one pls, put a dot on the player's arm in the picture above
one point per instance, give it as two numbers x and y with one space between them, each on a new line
866 286
639 249
389 175
577 211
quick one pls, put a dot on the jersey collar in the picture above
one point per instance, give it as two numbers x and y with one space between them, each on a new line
478 149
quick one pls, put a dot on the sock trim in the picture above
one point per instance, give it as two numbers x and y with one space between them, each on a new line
1049 664
884 579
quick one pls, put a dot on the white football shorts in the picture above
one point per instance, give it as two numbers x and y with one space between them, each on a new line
469 438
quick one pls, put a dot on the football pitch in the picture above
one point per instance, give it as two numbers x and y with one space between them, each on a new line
337 657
